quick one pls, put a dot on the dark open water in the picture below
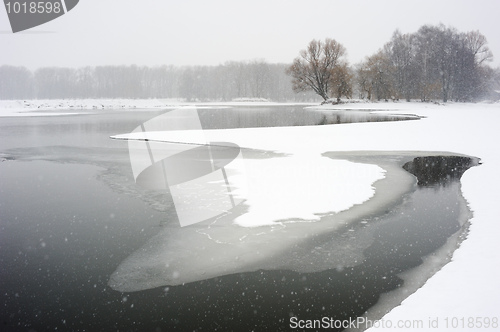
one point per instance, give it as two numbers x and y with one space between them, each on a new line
70 213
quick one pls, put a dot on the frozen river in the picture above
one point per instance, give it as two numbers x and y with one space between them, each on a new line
75 229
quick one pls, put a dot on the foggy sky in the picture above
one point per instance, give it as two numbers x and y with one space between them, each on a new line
204 32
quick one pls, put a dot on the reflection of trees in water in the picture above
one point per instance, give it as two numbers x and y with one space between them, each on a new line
439 170
360 116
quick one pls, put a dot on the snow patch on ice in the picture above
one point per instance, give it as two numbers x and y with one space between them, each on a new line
302 187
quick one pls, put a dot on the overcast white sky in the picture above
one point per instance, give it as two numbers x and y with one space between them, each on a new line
204 32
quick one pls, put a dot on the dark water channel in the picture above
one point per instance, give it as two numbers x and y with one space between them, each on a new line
70 213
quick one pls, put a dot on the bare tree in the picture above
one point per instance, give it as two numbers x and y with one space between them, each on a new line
341 84
401 54
314 68
476 43
375 76
363 80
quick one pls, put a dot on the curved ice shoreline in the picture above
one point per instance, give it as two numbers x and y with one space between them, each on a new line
218 247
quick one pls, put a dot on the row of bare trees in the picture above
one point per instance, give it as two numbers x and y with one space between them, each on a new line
232 80
436 62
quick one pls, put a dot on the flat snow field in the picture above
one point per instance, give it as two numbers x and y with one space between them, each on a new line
465 292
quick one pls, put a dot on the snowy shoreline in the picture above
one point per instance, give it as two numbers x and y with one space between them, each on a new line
53 107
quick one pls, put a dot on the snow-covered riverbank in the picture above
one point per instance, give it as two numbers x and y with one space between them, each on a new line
50 107
73 106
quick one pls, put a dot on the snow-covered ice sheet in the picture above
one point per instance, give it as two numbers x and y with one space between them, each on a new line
283 194
468 285
274 220
302 187
298 187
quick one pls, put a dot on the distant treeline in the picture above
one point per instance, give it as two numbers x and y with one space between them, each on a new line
434 63
232 80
